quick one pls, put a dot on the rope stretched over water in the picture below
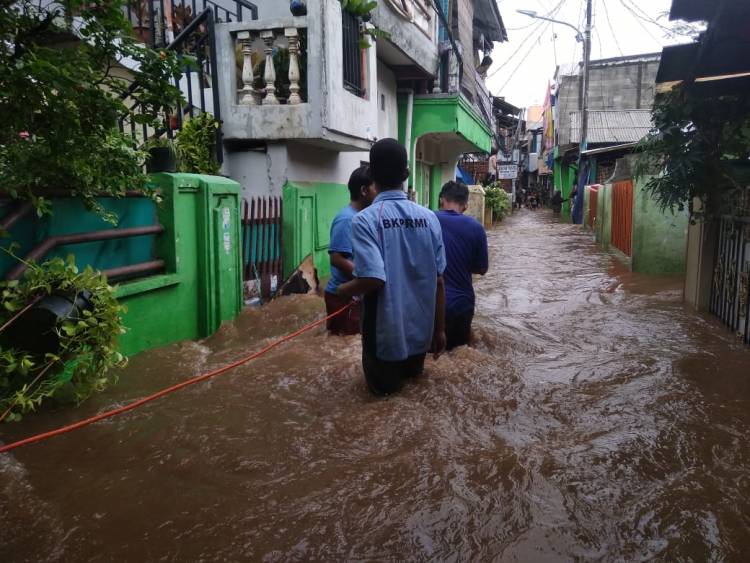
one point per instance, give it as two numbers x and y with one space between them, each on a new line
168 390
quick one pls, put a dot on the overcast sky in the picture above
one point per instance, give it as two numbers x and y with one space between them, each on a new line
523 65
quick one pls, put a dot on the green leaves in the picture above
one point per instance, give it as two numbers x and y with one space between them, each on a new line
88 344
61 104
699 148
196 143
363 9
497 199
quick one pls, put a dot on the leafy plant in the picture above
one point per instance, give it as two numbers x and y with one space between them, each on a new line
88 344
363 10
360 8
281 65
196 144
61 99
497 199
698 148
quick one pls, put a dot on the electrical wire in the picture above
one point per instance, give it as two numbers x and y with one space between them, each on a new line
523 59
640 22
611 28
537 25
647 18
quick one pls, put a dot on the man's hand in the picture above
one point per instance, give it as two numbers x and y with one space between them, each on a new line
359 286
439 342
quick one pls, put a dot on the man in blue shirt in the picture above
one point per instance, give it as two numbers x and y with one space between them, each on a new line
466 253
361 192
398 267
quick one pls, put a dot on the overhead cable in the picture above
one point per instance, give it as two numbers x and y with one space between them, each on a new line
538 25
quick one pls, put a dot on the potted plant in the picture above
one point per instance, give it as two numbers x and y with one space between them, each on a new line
162 156
196 145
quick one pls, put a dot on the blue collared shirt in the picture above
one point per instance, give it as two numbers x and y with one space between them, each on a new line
341 242
399 242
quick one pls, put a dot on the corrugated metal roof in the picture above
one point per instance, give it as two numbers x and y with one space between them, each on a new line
613 126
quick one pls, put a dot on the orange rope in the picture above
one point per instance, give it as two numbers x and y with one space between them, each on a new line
167 391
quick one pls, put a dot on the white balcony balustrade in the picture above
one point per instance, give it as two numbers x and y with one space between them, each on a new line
262 45
284 79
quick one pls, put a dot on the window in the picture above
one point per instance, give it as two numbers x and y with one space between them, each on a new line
352 54
382 102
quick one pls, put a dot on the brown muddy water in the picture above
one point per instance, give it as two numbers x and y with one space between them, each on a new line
596 419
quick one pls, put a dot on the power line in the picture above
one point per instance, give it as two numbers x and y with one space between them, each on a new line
599 41
538 25
638 19
578 22
611 29
645 17
523 59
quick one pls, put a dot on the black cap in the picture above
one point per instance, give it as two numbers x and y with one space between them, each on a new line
388 163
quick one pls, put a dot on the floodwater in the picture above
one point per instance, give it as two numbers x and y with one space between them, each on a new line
596 419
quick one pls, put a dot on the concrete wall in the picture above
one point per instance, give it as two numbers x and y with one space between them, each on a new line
266 172
476 207
414 42
387 103
702 239
603 229
465 36
659 237
332 116
613 85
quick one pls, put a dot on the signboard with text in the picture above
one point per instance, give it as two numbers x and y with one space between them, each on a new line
507 171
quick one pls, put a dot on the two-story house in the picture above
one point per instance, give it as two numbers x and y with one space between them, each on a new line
303 98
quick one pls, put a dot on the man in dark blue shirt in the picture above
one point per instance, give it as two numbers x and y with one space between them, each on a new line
466 254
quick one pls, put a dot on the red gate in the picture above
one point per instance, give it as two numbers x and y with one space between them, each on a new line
262 243
622 216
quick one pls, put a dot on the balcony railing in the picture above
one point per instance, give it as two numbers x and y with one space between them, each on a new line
352 52
158 22
282 79
273 66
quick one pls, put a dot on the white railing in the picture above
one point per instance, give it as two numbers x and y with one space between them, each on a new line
262 42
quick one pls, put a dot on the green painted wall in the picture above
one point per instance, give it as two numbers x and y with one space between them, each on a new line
69 216
309 210
564 180
449 115
604 216
586 207
659 237
202 283
437 185
202 286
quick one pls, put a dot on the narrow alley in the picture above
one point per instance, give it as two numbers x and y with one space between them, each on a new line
595 419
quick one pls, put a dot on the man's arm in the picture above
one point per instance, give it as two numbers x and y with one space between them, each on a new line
438 339
342 263
481 253
360 286
369 267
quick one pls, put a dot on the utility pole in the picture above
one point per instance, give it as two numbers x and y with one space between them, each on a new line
513 159
586 64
